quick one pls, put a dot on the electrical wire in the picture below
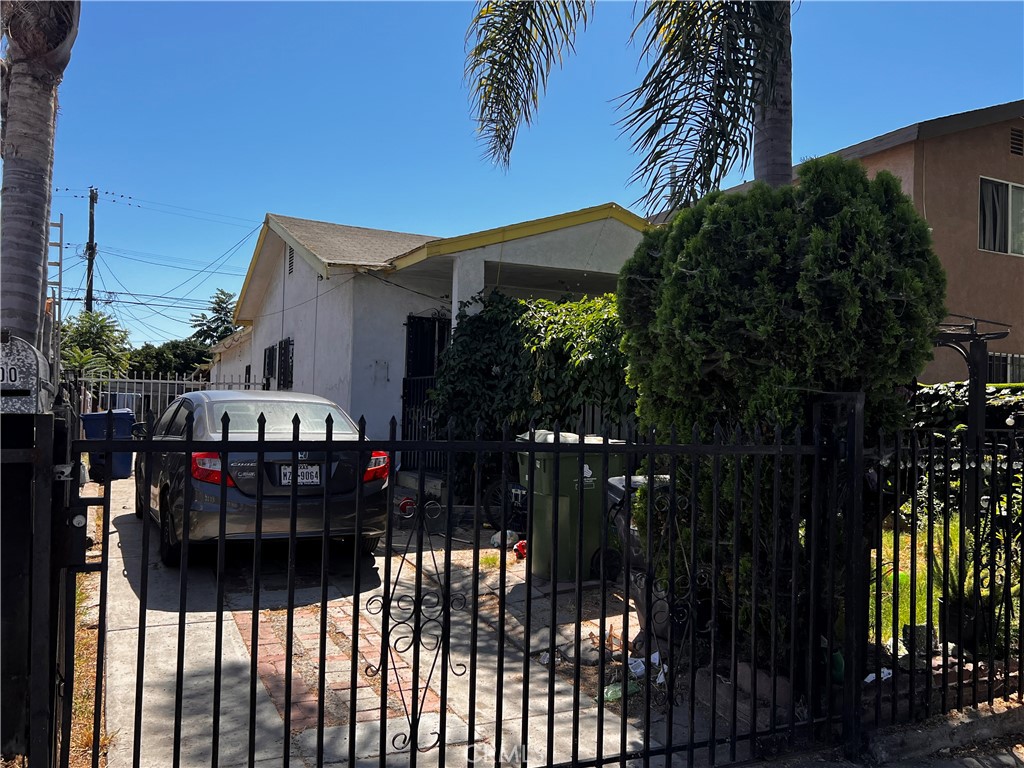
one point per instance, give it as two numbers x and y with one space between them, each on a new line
130 200
116 310
216 264
442 299
168 262
307 301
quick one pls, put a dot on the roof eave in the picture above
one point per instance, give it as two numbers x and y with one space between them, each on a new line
523 229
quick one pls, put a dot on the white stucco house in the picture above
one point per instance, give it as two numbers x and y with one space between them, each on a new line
360 315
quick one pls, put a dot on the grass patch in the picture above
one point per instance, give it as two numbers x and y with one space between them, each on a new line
490 560
908 576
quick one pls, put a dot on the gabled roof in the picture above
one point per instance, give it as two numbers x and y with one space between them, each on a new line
377 249
339 244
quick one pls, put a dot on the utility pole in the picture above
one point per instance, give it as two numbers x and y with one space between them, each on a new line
90 248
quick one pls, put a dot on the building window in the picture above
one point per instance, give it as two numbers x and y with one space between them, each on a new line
1001 217
1005 368
285 363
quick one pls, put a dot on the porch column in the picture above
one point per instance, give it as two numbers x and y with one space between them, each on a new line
467 281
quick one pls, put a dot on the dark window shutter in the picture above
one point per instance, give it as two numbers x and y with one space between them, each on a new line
285 349
248 374
269 362
291 259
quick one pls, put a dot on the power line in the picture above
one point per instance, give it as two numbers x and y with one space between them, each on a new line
193 303
108 252
134 202
217 263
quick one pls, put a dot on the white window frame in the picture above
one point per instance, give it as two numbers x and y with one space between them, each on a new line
1009 220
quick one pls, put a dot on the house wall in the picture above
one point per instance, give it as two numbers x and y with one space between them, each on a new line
230 365
378 351
899 161
316 315
599 247
980 283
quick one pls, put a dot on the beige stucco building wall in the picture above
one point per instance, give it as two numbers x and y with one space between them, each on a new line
942 174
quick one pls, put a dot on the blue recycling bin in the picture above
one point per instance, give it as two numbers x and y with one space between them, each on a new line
95 425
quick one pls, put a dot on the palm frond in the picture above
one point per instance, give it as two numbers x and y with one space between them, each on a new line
691 118
512 47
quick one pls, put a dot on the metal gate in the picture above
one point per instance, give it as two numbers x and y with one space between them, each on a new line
735 599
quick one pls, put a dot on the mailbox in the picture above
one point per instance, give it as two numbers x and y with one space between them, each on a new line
24 377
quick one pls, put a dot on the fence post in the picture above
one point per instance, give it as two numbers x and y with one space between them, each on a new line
857 586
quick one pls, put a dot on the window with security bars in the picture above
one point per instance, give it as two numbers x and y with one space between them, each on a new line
285 363
1005 368
1001 217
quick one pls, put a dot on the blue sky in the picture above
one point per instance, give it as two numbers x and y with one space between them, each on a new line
205 116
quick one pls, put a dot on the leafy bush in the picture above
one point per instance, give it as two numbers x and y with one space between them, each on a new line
518 360
943 406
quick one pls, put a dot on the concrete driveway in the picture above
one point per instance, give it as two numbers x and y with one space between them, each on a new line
464 686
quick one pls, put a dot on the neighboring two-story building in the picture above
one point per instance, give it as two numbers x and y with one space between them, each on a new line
965 174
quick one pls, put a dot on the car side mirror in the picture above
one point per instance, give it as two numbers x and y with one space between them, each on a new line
139 429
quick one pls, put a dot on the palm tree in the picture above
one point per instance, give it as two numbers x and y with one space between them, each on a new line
718 86
39 39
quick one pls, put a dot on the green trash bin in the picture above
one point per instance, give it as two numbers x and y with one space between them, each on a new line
564 500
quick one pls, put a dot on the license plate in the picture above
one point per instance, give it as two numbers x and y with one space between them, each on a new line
309 474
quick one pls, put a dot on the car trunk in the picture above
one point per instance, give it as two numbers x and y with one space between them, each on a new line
313 472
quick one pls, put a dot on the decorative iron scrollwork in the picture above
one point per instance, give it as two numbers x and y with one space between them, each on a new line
417 617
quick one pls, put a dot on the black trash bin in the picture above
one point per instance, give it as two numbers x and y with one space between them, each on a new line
95 425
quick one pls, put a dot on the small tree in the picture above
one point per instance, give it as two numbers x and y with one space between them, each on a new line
94 341
219 323
178 356
740 313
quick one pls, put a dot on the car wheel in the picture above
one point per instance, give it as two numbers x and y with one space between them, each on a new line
170 550
368 544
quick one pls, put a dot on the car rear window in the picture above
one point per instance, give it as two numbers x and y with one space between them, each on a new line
243 415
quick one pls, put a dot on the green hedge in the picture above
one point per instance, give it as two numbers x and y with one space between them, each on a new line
750 303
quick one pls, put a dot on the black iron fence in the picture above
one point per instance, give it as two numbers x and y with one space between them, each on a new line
946 573
702 598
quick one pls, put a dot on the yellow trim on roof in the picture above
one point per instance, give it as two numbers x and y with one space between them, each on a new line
515 231
252 268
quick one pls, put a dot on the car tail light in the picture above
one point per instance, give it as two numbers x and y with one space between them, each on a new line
378 467
206 468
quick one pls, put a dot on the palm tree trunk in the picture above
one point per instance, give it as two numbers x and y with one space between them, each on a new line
40 36
773 122
28 170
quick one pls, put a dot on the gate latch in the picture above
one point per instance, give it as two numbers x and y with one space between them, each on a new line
63 471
